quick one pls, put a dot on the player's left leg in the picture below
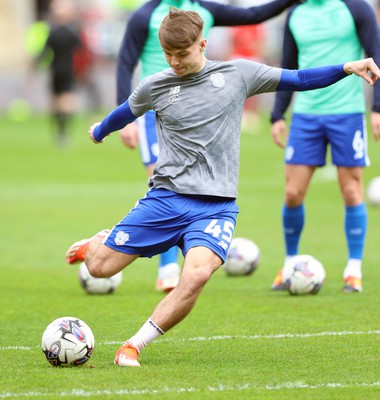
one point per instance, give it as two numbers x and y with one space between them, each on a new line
351 185
348 139
199 265
205 243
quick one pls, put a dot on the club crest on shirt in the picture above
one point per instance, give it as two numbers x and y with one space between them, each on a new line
121 238
217 80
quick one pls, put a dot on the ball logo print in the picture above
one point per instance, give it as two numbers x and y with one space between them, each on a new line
53 352
78 333
302 266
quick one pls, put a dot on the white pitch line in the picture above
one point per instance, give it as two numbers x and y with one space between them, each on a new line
215 388
255 337
227 337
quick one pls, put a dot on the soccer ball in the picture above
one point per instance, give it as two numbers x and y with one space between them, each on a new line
243 257
98 285
373 191
303 274
67 341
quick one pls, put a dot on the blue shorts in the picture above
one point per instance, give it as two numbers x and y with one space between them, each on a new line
163 219
310 135
148 138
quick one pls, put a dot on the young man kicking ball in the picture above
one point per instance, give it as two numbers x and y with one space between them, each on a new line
191 202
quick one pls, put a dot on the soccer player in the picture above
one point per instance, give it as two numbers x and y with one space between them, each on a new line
140 44
191 202
317 33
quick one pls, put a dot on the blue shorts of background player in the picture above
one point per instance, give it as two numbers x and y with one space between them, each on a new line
148 138
163 219
310 136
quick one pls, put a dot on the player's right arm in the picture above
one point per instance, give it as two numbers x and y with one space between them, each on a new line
282 101
115 120
130 51
129 54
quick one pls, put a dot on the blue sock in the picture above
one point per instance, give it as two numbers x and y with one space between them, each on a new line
292 221
170 256
356 229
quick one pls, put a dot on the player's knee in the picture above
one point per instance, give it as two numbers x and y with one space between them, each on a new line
352 195
293 196
97 269
197 276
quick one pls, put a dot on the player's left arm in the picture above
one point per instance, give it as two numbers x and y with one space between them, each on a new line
320 77
227 15
369 35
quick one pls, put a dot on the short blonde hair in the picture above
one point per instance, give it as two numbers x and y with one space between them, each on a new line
180 29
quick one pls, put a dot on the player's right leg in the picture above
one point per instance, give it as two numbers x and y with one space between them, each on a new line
77 251
305 149
101 261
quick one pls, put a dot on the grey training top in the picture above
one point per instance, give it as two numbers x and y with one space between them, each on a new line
198 121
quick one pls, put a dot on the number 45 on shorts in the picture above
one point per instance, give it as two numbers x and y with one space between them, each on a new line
225 233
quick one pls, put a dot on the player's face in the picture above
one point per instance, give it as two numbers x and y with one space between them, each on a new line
187 61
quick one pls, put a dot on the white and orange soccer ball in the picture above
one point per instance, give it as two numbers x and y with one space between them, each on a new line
243 257
303 274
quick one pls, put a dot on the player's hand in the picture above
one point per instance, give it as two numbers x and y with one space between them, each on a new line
91 133
279 133
367 69
129 135
375 124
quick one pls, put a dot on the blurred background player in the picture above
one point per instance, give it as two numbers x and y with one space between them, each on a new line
61 45
140 44
247 42
321 32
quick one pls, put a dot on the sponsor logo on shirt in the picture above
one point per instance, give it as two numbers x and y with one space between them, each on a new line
174 95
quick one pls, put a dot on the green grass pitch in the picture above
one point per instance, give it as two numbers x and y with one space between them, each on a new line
241 341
